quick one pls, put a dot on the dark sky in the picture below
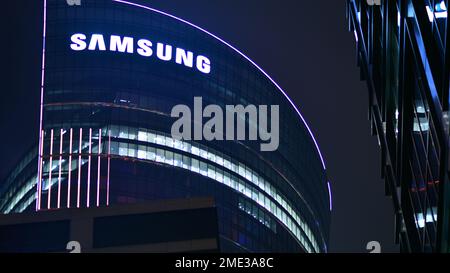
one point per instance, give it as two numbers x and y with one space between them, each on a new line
304 45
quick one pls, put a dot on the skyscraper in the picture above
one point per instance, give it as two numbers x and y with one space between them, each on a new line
403 53
112 72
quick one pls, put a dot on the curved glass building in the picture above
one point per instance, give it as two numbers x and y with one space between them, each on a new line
112 72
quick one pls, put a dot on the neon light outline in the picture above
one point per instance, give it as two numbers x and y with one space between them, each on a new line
109 167
49 188
41 134
89 170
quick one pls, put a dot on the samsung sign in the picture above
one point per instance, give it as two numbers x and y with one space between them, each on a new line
143 47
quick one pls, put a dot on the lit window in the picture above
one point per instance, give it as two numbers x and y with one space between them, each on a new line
195 150
142 154
142 136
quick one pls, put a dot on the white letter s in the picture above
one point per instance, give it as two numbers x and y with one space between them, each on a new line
78 42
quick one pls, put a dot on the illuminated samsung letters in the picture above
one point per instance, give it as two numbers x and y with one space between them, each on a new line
143 47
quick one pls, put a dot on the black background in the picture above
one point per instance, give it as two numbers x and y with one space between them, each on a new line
304 45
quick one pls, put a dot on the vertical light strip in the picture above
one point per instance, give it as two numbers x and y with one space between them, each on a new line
41 147
70 168
38 180
60 166
98 167
79 167
329 194
49 191
109 167
89 170
41 111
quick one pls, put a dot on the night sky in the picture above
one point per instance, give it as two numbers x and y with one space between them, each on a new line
304 45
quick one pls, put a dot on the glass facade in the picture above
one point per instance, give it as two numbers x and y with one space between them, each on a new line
106 129
401 51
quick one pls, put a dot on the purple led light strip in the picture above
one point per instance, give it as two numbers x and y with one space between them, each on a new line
41 134
186 22
329 194
109 167
99 160
70 168
49 192
79 167
252 62
88 193
39 184
60 166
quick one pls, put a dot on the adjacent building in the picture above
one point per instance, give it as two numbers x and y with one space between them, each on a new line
403 52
